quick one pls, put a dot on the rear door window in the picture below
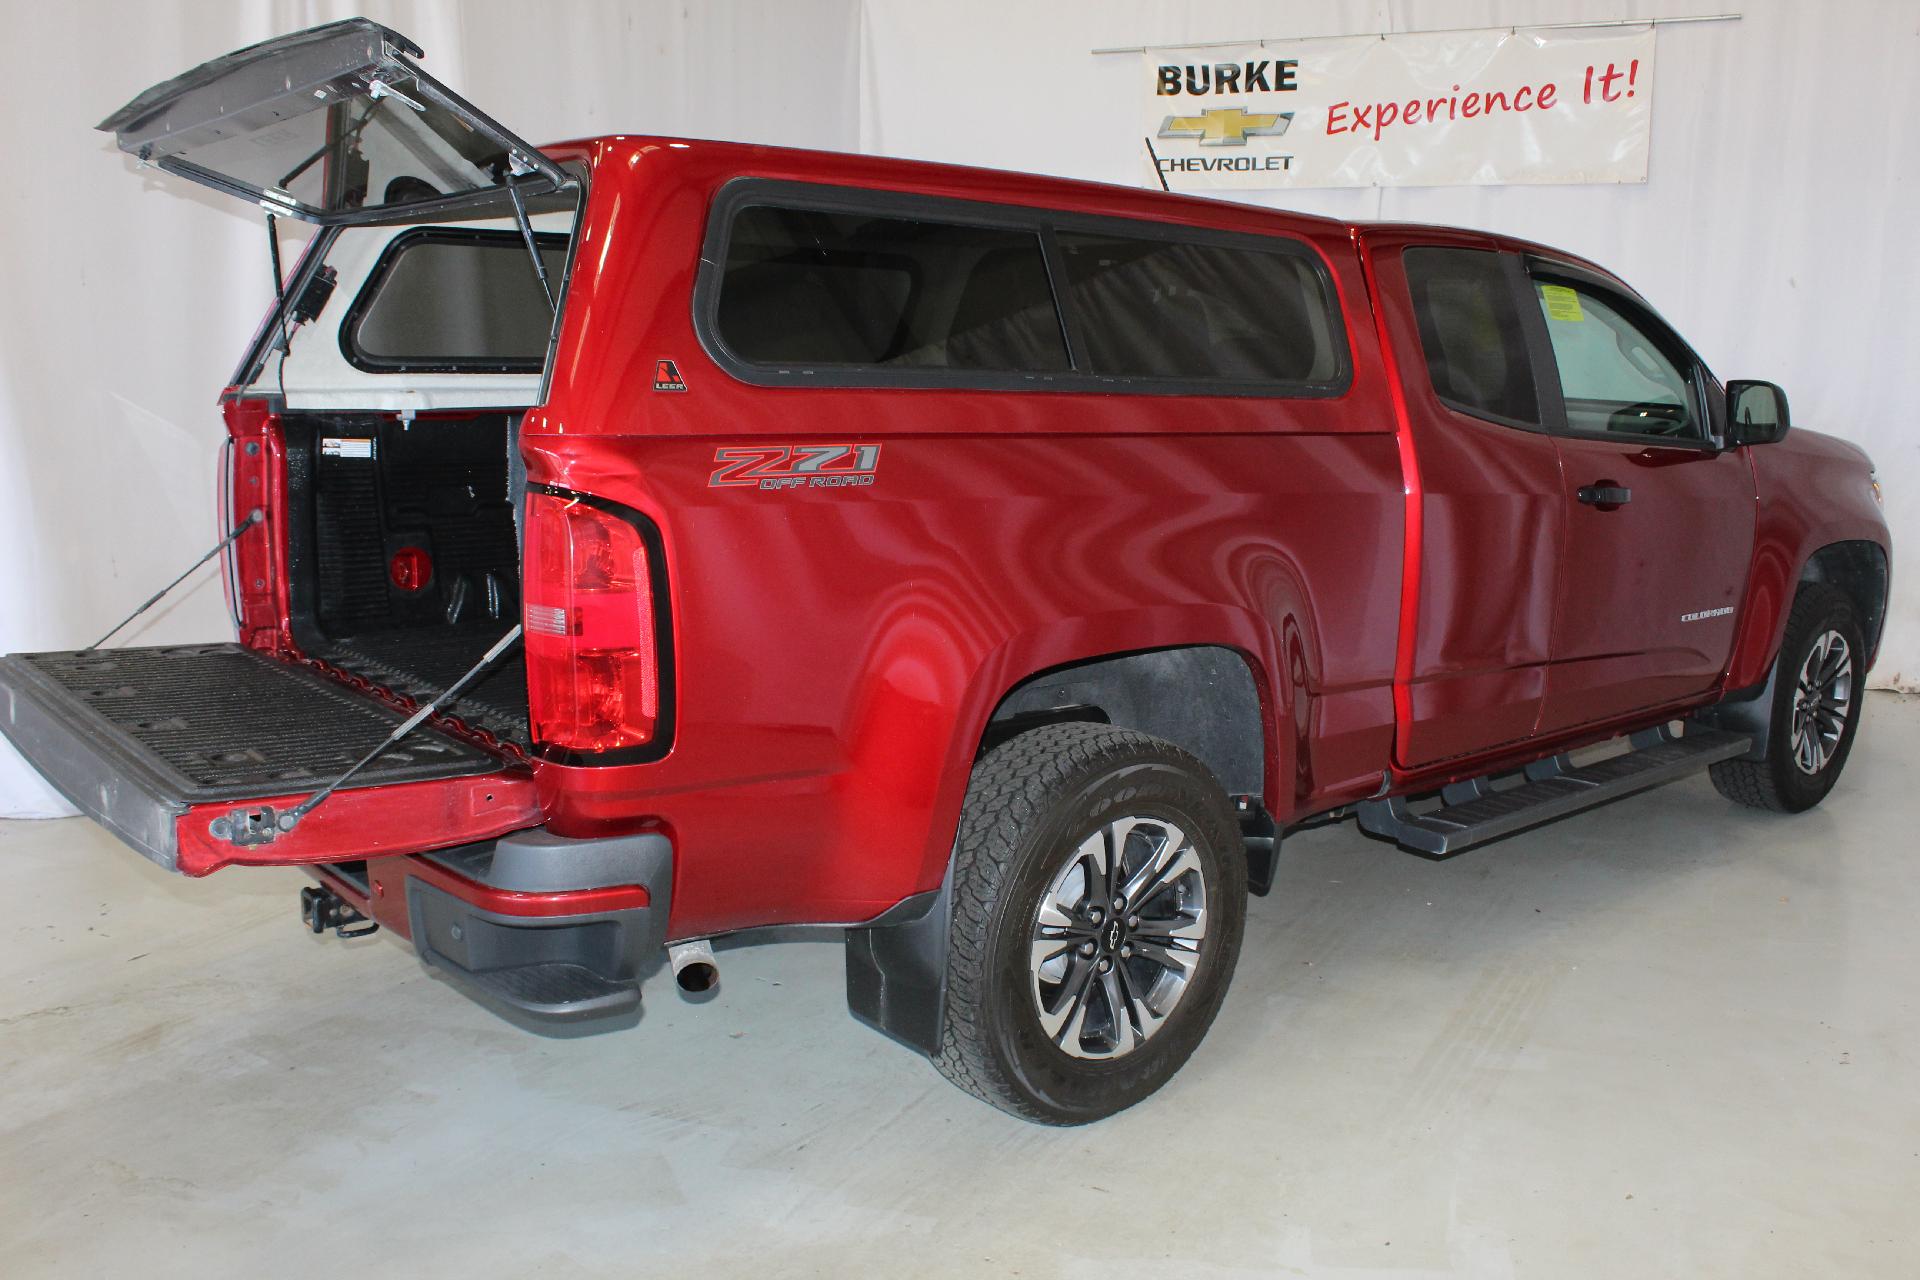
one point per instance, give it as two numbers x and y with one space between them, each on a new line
1184 309
812 287
1470 333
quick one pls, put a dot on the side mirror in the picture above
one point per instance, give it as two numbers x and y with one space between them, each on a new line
1756 413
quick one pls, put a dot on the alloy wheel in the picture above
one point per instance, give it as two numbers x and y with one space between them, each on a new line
1822 702
1117 937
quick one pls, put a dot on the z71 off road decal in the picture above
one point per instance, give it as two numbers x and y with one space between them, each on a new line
795 466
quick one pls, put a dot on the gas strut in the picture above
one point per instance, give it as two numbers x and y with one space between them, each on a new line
263 825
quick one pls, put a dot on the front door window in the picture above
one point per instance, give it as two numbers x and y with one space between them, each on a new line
1615 374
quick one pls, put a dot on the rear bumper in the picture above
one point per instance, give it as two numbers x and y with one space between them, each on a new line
550 929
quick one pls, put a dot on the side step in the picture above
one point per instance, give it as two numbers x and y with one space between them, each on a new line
1474 812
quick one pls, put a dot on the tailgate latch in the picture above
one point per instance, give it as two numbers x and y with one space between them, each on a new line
250 826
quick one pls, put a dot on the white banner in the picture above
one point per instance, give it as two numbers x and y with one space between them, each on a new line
1424 109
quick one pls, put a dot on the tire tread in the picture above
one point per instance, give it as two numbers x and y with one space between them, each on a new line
1756 783
1010 789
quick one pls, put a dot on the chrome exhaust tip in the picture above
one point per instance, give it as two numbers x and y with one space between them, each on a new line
694 969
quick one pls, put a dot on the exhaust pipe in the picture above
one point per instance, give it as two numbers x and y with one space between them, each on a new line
693 966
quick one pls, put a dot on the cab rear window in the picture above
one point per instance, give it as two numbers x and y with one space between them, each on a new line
455 301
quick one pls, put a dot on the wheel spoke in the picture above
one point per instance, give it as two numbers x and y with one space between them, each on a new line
1120 833
1063 1021
1096 860
1046 948
1834 661
1055 916
1142 1018
1117 1009
1190 927
1174 859
1168 955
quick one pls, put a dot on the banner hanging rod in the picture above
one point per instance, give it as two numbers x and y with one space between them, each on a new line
1437 31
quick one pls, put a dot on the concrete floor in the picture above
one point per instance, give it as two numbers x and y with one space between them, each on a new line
1671 1038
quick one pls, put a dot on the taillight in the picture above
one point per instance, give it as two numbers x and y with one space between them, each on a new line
593 655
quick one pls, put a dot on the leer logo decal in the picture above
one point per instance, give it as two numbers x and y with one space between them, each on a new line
795 466
1226 126
666 376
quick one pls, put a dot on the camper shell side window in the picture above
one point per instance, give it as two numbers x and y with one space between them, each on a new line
807 284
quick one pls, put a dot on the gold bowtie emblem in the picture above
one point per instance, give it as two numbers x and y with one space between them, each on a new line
1225 126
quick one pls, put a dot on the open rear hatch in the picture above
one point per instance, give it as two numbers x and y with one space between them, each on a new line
194 755
334 125
173 748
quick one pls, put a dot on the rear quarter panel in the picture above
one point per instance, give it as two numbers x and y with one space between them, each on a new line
840 650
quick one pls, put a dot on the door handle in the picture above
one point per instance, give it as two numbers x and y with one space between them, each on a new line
1606 495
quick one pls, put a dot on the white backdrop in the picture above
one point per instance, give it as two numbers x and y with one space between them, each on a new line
1775 229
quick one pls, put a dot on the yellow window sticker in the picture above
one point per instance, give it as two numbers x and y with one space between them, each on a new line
1562 303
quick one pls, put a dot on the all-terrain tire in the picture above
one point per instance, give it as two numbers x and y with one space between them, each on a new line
1778 782
1031 804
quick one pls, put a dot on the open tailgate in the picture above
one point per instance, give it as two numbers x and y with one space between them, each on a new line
169 747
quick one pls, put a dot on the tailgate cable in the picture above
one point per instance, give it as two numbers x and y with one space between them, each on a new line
283 343
254 517
263 825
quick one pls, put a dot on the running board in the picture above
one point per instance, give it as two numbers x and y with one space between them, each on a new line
1474 812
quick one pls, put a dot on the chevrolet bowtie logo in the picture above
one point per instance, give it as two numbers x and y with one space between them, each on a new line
1225 126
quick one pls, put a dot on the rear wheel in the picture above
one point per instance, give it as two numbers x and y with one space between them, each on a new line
1816 708
1099 889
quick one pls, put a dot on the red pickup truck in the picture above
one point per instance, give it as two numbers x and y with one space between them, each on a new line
639 542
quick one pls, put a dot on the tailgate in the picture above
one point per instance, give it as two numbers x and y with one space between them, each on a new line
160 744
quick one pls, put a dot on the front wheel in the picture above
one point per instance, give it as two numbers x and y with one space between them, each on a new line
1817 692
1099 895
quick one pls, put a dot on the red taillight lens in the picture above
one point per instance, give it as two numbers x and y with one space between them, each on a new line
593 658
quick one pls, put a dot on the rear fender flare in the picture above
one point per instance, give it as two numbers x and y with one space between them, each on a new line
896 967
1027 660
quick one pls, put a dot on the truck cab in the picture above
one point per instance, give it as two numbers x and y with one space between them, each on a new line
636 542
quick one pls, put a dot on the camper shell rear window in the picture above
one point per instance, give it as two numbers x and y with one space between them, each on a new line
455 300
822 286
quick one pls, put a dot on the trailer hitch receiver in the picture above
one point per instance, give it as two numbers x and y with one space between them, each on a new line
322 909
